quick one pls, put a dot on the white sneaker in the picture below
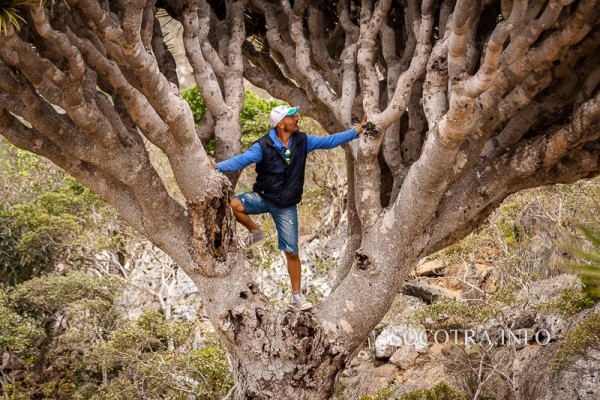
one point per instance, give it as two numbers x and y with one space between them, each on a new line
254 237
300 302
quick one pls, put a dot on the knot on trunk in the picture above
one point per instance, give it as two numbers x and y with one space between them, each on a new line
214 229
233 323
248 312
370 130
361 260
300 325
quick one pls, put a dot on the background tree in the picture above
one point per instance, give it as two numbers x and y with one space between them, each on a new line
468 101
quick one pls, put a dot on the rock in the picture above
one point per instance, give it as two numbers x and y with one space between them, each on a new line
428 292
535 224
402 311
538 380
523 337
489 281
10 362
147 269
525 320
430 268
551 288
556 325
366 379
404 357
393 337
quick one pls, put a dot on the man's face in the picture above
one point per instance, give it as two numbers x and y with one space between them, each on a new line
290 123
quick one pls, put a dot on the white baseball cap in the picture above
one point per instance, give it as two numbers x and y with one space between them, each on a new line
279 112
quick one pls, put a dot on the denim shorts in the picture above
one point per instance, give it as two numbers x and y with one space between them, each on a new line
286 219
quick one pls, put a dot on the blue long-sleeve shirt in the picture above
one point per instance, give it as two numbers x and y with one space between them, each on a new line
254 153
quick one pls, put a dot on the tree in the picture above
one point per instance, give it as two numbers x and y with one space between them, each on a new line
468 101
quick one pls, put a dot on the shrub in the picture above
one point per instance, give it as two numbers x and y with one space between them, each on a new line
586 249
16 331
579 343
505 222
43 220
457 314
440 391
571 302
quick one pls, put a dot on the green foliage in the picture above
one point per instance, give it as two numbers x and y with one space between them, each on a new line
506 294
54 319
579 342
10 13
254 117
212 363
64 333
457 314
16 331
27 389
587 264
196 102
82 303
55 294
148 332
505 222
27 175
571 302
34 233
382 394
140 349
43 217
97 354
441 391
324 265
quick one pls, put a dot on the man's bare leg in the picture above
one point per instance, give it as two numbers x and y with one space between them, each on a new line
294 270
239 212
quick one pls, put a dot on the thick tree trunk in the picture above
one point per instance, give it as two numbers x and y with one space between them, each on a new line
284 353
275 353
290 357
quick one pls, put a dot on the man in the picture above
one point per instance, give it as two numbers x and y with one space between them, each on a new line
280 158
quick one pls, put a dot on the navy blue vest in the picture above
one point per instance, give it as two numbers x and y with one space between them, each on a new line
276 181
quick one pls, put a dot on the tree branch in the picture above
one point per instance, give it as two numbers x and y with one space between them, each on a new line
140 110
370 26
559 156
303 59
318 35
399 101
195 33
163 97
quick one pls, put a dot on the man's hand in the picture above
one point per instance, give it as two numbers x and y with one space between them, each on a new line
359 127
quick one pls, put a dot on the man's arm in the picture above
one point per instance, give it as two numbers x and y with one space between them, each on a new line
235 163
329 142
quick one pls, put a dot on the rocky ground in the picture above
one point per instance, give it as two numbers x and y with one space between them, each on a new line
516 362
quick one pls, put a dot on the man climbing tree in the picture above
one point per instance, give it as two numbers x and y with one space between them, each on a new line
280 158
468 102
